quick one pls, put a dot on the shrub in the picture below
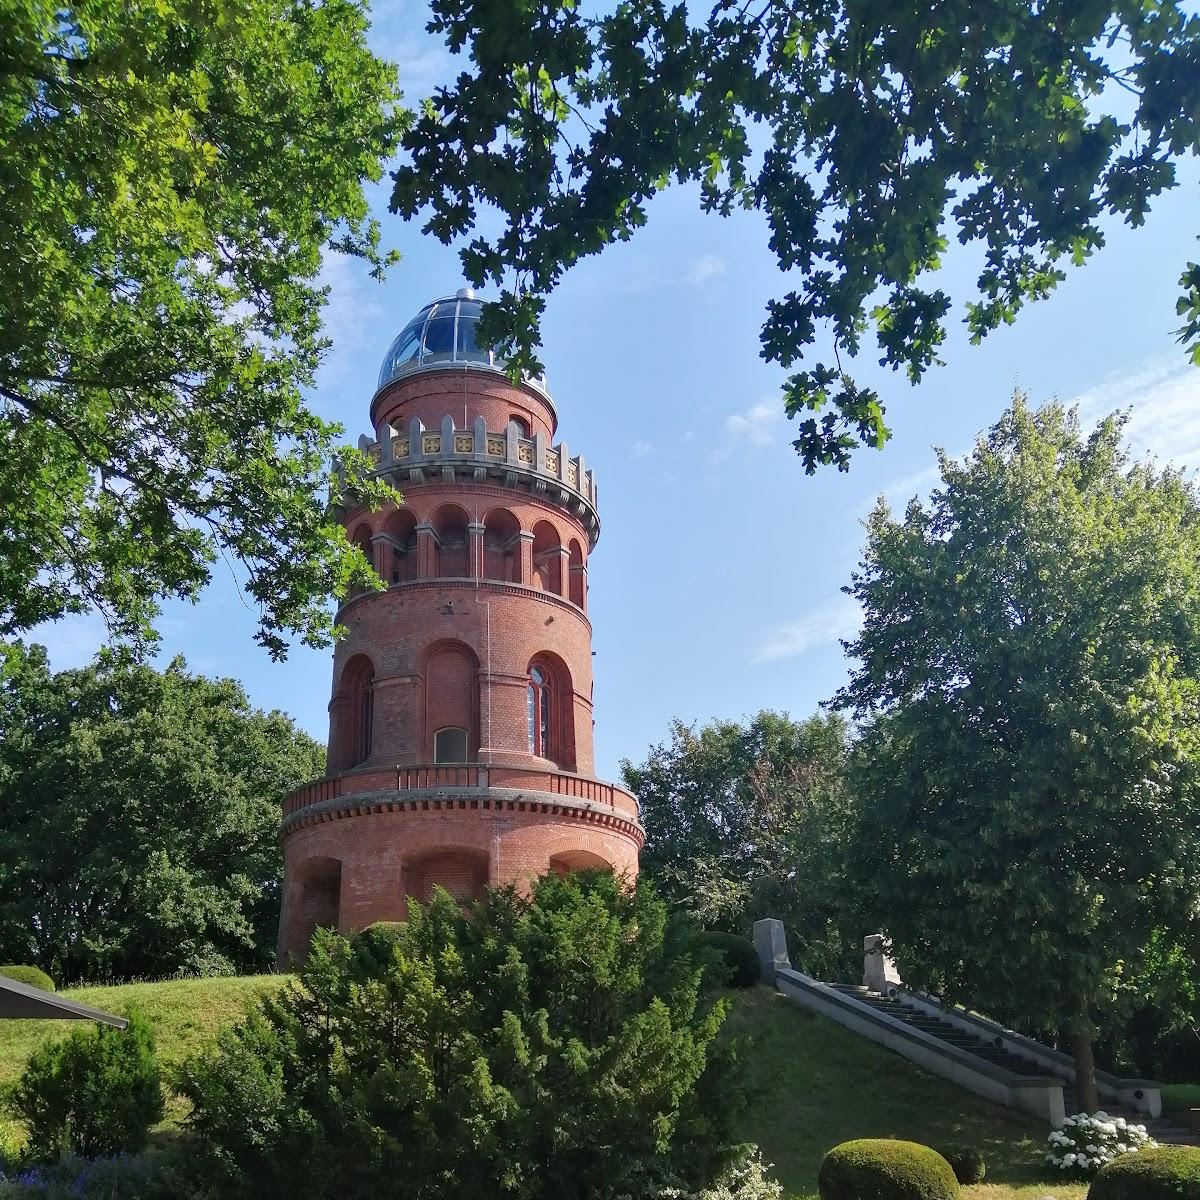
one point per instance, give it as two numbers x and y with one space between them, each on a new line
737 956
372 947
1167 1173
1086 1143
121 1177
966 1162
885 1170
31 976
555 1042
94 1093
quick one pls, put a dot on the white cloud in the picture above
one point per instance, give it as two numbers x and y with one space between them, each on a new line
1163 399
640 449
821 626
900 491
755 426
707 267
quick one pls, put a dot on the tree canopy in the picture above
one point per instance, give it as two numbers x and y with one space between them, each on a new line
1029 681
746 820
139 820
171 175
869 135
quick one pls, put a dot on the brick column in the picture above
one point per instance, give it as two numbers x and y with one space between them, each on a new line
525 557
426 551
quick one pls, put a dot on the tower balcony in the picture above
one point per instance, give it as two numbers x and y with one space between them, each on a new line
449 453
477 787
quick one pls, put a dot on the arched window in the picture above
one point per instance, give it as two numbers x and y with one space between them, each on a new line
366 716
450 745
521 424
538 703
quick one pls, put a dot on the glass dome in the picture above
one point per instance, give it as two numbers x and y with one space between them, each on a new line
443 332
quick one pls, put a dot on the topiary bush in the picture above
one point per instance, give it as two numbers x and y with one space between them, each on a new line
31 976
884 1169
966 1162
94 1093
1168 1173
736 955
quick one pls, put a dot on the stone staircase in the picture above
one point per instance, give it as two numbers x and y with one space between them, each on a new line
1161 1129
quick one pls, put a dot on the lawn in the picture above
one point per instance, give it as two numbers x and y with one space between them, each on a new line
1179 1097
815 1084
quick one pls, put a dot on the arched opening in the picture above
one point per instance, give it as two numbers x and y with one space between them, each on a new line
547 558
450 745
314 902
462 871
450 524
521 424
578 860
451 678
352 714
549 711
578 577
361 538
401 529
501 546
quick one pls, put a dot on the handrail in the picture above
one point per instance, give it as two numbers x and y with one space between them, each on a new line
434 776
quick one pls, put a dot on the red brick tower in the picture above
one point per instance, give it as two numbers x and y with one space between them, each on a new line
460 728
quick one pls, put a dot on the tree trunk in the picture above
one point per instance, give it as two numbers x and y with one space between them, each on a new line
1085 1066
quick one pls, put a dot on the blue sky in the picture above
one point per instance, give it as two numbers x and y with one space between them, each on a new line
715 587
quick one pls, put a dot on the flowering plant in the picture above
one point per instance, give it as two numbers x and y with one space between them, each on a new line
1086 1143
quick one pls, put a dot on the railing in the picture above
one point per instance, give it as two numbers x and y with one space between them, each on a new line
434 777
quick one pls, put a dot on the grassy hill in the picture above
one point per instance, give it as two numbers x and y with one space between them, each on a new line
814 1084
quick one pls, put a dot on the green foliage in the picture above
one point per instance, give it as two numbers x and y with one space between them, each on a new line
745 821
94 1093
1168 1173
541 1047
139 814
737 957
868 137
1029 818
373 947
32 976
171 177
124 1177
885 1169
966 1162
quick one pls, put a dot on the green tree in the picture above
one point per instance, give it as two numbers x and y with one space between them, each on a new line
545 1047
868 134
1028 667
746 821
139 818
171 175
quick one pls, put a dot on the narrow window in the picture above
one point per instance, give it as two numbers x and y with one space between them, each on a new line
450 745
366 716
538 713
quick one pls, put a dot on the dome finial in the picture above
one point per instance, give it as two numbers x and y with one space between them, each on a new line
465 293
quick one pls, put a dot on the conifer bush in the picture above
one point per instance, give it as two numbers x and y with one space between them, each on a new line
95 1093
31 976
553 1046
737 956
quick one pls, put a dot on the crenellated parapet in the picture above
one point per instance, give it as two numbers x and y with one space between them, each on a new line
417 454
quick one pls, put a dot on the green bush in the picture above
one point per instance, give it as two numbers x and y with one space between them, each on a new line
737 956
94 1093
966 1162
1168 1173
883 1169
372 947
488 1047
32 976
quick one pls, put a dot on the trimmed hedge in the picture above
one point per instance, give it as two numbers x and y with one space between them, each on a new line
737 955
1168 1173
966 1162
883 1169
31 976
